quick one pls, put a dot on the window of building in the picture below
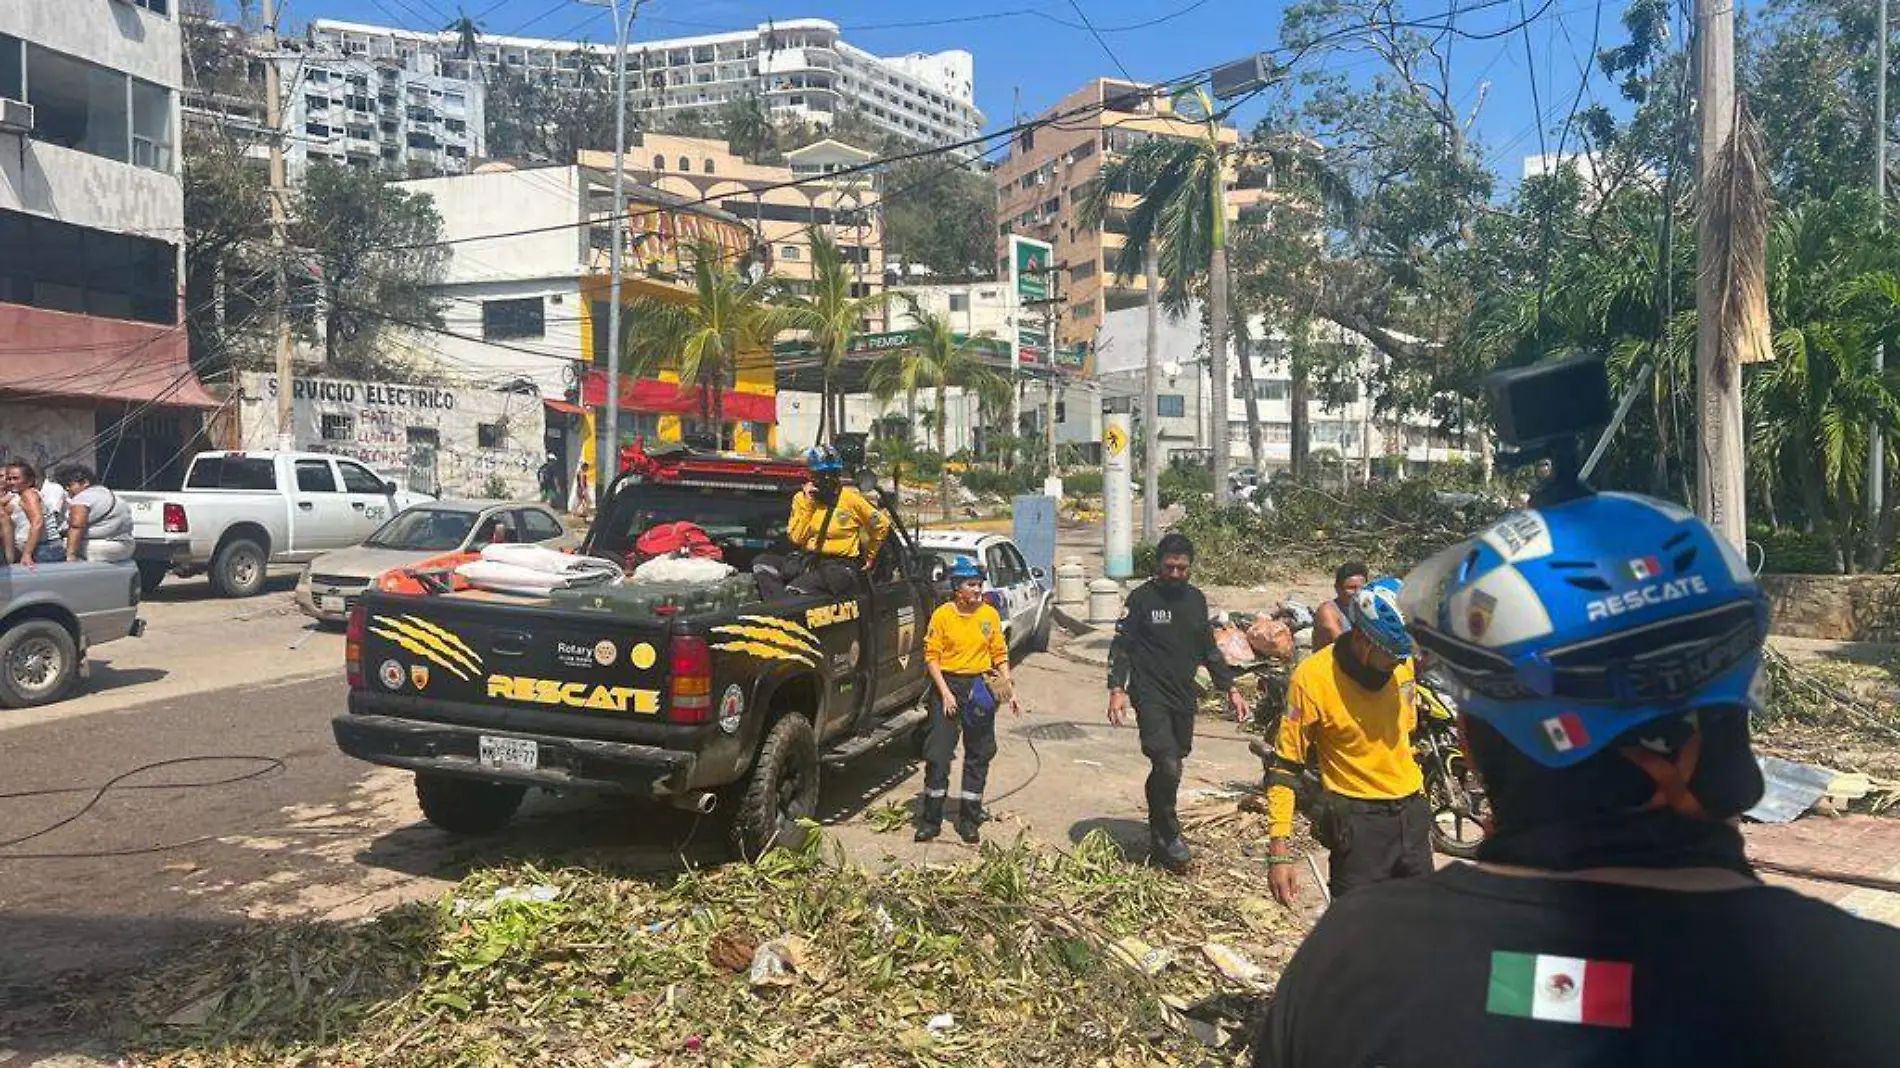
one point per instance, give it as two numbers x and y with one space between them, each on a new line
336 427
315 476
959 302
78 105
151 126
659 162
86 271
12 68
157 7
491 436
708 165
1273 389
1171 405
686 164
520 318
788 252
1081 271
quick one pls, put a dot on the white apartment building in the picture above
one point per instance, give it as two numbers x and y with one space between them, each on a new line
379 109
1343 424
94 365
802 69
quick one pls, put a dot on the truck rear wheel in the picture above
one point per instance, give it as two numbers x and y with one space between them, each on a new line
781 791
466 806
239 569
38 662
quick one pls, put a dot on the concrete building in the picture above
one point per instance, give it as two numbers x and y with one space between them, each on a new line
530 310
779 213
379 109
1344 425
1041 187
94 365
444 439
802 69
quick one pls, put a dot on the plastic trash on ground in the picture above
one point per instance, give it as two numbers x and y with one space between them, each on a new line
1144 958
780 961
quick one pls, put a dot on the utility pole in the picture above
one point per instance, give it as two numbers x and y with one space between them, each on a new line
1049 383
609 465
1876 448
280 286
1150 407
1719 482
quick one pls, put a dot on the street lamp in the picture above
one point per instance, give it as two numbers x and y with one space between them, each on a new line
609 464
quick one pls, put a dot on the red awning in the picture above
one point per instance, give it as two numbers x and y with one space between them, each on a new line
562 406
653 395
57 354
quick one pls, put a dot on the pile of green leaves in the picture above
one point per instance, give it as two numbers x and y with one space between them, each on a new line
1390 526
589 968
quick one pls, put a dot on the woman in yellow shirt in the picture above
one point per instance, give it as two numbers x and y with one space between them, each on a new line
968 660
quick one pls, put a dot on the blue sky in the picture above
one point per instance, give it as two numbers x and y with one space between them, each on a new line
1034 51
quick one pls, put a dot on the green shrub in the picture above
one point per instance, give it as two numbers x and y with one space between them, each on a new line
1794 552
1181 483
1083 484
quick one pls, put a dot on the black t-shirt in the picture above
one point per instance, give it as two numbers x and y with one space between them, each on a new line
1162 637
1468 968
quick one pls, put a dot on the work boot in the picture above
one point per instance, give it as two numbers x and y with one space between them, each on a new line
929 819
1170 853
970 821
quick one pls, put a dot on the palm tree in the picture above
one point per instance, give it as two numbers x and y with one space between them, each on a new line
832 319
730 319
747 128
938 359
1180 205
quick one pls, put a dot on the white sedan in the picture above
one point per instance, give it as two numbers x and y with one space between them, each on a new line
1021 594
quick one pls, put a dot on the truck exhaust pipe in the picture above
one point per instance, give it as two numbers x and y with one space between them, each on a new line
702 802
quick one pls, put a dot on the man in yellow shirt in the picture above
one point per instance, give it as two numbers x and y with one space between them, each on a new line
836 531
1351 707
969 662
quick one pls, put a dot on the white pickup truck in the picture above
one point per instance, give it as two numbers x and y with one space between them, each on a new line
240 512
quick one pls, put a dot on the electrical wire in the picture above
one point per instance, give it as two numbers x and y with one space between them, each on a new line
270 765
1100 40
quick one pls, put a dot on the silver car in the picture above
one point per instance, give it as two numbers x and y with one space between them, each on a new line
50 615
332 582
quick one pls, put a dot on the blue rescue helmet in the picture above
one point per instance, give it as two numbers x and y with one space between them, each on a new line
1374 611
1566 626
962 570
823 459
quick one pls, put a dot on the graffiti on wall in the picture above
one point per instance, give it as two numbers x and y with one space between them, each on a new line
46 436
450 441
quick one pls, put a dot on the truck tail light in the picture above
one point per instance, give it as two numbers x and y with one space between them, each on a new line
175 519
353 646
690 685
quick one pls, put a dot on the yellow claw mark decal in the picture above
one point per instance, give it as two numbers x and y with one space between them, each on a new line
766 652
782 624
416 647
770 637
448 638
425 642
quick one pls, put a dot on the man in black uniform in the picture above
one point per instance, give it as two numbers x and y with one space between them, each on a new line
1612 918
1163 636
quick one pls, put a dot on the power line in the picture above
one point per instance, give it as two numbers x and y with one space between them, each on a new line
1100 40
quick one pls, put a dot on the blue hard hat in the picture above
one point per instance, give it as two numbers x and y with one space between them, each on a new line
962 569
1564 627
1374 611
823 458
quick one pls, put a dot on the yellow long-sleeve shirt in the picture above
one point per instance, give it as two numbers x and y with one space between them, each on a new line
857 527
965 643
1363 737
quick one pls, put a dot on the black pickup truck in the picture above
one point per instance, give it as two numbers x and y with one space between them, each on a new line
721 701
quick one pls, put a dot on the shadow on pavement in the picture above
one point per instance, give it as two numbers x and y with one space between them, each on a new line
1131 835
175 590
102 677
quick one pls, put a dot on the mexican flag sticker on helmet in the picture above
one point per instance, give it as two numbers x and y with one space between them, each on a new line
1540 986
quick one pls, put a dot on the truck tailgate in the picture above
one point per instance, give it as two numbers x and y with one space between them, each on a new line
591 676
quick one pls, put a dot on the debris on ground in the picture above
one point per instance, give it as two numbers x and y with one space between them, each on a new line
1061 958
1836 716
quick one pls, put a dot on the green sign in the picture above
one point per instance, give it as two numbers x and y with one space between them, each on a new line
1029 267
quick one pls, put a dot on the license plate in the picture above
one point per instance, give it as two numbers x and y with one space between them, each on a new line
330 603
510 754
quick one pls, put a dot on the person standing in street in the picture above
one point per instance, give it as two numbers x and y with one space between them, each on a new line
98 523
1350 709
1612 916
1330 620
967 659
1163 637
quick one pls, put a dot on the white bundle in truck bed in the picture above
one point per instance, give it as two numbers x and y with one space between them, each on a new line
532 570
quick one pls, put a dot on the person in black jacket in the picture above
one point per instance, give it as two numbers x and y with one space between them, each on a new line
1162 638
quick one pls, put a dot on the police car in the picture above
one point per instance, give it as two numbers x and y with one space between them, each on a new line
1021 594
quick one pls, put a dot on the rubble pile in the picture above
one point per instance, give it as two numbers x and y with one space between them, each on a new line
1019 956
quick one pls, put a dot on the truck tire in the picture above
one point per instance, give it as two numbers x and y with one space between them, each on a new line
151 573
781 791
467 806
1039 641
38 662
239 569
